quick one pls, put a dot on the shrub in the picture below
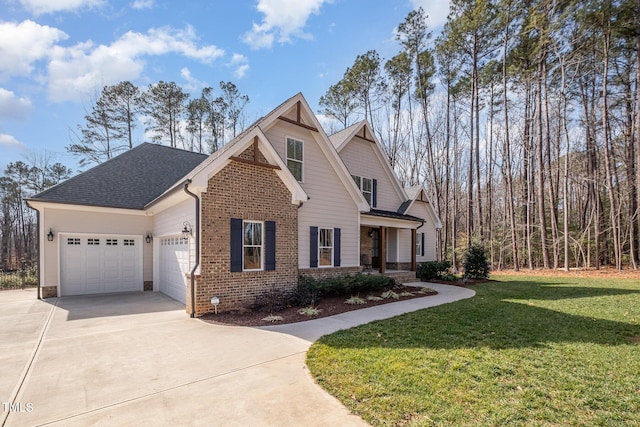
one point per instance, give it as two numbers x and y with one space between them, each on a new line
433 269
272 299
310 290
355 300
310 311
475 263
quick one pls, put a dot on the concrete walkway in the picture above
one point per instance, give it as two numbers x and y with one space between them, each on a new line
311 330
137 358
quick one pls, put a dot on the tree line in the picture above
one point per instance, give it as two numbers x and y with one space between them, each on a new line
169 115
18 225
522 118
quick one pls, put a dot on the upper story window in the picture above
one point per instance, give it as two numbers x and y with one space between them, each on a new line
252 246
295 157
366 187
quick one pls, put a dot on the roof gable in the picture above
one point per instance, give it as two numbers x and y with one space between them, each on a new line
297 111
361 131
253 136
129 180
417 194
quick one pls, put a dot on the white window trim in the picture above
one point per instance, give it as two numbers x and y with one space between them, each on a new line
286 152
359 182
261 246
332 232
418 247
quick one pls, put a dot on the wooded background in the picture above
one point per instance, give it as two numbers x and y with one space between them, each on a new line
522 119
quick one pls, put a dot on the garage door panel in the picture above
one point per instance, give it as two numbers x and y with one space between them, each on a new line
99 264
174 264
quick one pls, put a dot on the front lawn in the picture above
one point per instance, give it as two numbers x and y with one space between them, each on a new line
525 351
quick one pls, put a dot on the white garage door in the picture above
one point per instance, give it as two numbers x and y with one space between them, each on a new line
98 264
174 264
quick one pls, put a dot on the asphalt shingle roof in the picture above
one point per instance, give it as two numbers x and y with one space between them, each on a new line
129 181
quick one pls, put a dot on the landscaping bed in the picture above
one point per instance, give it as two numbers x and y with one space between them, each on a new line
328 306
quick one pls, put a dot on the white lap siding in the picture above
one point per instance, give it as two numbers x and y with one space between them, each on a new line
329 204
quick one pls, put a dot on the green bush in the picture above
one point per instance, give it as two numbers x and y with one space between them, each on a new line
433 269
475 263
310 290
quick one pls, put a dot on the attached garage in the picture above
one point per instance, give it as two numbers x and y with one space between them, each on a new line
99 264
174 264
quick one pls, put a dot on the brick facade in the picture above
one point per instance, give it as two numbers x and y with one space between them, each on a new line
249 192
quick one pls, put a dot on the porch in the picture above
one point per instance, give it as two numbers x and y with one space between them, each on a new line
388 242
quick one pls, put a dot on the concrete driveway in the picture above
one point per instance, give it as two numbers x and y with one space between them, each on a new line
138 358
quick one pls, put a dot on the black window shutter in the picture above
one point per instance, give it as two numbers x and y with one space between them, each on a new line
313 247
422 245
236 244
270 246
374 196
336 247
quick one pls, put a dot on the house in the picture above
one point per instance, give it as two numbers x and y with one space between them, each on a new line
280 201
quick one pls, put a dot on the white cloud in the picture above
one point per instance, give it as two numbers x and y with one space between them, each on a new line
38 7
240 62
13 107
143 4
75 71
192 84
23 44
282 20
436 10
9 141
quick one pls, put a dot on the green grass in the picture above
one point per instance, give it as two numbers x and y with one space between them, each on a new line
534 351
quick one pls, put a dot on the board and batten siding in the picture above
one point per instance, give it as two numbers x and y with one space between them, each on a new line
73 221
329 204
359 157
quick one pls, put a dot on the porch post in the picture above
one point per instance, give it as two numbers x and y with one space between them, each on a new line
383 249
413 249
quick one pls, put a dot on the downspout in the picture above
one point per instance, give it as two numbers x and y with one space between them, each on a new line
197 237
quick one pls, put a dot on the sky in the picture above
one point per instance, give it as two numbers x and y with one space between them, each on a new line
56 55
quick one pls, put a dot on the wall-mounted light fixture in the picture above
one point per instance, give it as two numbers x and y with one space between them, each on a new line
186 231
370 233
50 235
149 238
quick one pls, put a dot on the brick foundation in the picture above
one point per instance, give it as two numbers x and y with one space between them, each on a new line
249 192
398 266
49 291
323 273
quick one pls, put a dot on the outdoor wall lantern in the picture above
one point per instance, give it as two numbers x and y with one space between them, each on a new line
149 238
186 231
50 235
370 233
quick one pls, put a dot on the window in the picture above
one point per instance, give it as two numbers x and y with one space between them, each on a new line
294 157
418 245
325 247
93 242
252 245
366 187
73 241
112 242
128 242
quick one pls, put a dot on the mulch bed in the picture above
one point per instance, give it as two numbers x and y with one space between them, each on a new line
329 305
